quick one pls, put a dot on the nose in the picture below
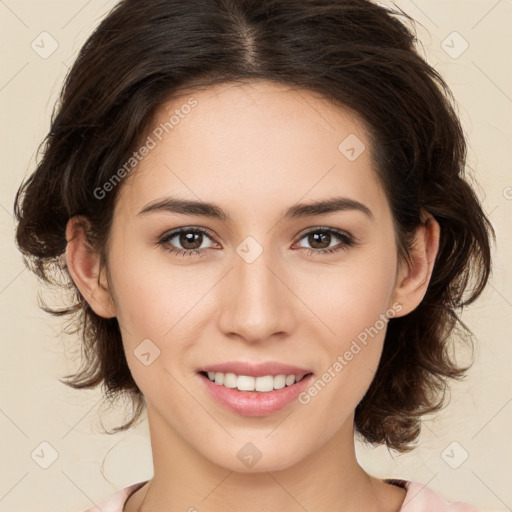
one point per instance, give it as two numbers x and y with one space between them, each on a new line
257 302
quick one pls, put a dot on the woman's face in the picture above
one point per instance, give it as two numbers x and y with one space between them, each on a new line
260 289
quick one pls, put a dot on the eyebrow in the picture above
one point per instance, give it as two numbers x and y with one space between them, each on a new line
205 209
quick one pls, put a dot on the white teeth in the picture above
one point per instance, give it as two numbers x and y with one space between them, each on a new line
262 384
245 383
279 382
230 380
290 379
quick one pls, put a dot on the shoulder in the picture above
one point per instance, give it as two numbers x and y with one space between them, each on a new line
116 502
420 498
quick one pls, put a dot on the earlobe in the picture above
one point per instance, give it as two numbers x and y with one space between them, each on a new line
413 277
83 263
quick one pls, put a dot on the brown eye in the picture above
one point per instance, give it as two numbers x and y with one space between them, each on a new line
190 239
186 241
321 241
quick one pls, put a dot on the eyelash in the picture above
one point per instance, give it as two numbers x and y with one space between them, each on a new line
347 241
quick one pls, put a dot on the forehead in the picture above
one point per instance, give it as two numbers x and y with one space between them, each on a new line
241 144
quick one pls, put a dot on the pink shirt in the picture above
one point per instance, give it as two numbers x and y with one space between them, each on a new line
418 499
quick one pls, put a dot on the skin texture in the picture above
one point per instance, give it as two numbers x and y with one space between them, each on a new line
255 150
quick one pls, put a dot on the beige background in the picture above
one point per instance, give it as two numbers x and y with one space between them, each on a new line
36 408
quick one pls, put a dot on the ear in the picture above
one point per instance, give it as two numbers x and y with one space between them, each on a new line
83 263
414 276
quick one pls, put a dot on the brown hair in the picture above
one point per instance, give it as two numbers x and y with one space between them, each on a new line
356 53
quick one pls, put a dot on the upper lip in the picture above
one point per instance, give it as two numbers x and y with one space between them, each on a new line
255 370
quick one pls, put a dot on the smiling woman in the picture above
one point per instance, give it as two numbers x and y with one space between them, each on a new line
274 269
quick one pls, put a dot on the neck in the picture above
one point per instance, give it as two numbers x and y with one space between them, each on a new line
328 479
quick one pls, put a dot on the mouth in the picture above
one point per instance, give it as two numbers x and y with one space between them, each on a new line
247 383
247 395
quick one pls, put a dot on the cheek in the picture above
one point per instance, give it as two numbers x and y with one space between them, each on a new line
156 301
355 304
152 297
351 296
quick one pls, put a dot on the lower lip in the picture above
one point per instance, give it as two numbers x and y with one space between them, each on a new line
255 403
